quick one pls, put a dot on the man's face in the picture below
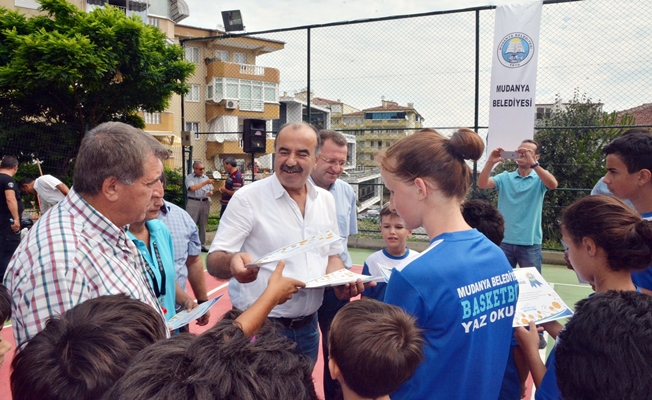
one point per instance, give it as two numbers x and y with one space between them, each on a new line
522 160
295 156
620 182
228 168
135 200
29 189
330 164
199 169
154 207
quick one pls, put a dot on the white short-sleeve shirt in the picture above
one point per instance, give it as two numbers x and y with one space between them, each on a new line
46 187
261 218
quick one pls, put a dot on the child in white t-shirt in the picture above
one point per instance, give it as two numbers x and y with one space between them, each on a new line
394 254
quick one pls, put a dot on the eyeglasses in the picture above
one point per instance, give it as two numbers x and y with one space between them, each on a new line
200 169
332 162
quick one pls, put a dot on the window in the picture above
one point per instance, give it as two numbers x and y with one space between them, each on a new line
270 95
152 118
193 94
27 4
192 54
222 55
385 115
252 94
152 21
193 127
239 58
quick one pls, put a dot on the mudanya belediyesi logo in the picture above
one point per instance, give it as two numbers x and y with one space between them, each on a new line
515 50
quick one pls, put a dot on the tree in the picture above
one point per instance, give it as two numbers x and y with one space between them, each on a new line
68 71
571 149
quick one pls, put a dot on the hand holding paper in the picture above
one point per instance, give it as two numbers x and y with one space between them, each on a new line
184 317
241 273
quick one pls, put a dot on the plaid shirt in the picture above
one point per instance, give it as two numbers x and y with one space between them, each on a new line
72 254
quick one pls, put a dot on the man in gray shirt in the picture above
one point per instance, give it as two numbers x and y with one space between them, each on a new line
200 190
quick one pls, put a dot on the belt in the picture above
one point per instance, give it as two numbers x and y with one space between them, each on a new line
198 199
294 323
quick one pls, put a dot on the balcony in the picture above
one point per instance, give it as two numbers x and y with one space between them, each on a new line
218 69
247 69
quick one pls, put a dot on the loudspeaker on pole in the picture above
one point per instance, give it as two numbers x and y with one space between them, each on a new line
254 136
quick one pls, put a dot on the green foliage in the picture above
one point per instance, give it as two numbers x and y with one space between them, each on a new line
174 187
572 151
66 72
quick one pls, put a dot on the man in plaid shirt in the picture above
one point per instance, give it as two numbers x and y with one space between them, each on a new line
80 250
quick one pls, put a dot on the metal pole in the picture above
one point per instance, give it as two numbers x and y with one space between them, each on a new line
308 88
477 92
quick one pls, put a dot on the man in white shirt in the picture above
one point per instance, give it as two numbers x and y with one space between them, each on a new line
272 213
49 189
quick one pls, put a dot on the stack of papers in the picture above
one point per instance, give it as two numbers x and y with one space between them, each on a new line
537 301
339 277
301 247
183 318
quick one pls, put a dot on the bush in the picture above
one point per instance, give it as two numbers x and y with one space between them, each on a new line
174 187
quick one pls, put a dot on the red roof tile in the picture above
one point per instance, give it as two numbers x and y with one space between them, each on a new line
642 113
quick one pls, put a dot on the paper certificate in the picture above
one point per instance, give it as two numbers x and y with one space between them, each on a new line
537 301
183 318
339 277
315 241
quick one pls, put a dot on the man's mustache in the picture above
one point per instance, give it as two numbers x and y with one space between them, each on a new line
296 168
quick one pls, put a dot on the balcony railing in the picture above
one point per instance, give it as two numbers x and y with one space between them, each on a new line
248 69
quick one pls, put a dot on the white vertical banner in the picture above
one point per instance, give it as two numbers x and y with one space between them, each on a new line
514 75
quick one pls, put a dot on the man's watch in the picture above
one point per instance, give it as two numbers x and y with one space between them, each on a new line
533 166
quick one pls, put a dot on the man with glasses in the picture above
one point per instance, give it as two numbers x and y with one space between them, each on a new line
200 190
329 167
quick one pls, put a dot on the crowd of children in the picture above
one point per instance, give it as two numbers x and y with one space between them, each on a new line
441 328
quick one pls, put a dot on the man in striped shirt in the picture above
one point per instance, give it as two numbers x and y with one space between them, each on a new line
80 250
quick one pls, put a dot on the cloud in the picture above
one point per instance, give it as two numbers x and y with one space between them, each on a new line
601 47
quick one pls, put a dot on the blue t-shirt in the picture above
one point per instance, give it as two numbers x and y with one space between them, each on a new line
372 268
463 293
520 201
511 386
548 390
160 234
643 278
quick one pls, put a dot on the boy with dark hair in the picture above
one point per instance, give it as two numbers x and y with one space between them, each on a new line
221 363
374 348
629 177
394 254
483 216
81 354
604 352
5 314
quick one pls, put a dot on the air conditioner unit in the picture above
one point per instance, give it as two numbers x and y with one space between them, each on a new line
231 104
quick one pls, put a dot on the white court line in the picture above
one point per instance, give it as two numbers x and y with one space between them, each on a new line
222 286
580 285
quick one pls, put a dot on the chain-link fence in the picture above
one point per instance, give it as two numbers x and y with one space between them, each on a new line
379 80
